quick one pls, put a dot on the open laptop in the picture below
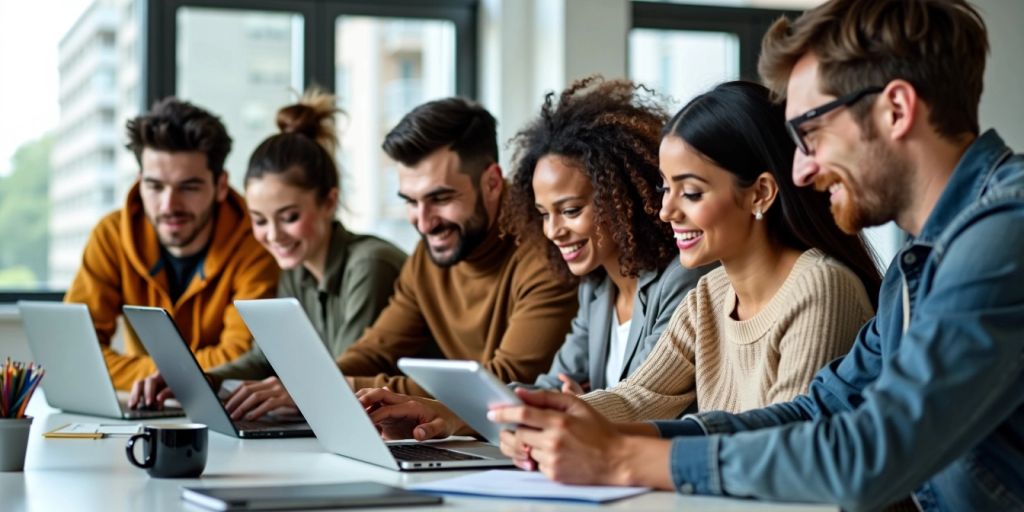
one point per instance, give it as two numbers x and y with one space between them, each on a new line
179 368
318 387
63 339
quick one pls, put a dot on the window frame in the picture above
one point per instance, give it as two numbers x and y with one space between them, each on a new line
748 23
319 16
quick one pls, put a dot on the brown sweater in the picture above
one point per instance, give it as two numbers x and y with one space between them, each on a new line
725 364
501 306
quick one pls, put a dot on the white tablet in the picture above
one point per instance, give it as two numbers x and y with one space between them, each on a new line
467 388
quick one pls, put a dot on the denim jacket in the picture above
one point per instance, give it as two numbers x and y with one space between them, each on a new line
929 401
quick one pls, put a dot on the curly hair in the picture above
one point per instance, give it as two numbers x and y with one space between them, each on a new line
611 130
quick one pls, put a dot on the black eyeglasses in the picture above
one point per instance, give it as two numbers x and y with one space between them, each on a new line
793 125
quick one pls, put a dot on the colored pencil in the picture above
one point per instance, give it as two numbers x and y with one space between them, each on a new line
17 384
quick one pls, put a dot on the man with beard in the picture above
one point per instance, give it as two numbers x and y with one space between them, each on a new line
182 242
926 409
467 291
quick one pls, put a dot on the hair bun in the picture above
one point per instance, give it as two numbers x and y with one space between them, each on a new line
313 117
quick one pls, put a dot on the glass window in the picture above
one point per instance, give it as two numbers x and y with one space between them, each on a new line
242 65
383 68
57 133
682 63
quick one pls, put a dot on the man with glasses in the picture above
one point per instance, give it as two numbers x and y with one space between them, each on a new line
928 407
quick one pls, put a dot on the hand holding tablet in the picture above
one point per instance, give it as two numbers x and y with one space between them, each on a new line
465 387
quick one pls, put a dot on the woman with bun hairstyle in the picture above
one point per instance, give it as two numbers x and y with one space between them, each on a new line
342 279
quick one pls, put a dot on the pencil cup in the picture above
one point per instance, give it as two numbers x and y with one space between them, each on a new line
14 442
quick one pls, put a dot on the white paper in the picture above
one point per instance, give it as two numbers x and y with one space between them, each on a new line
108 429
525 484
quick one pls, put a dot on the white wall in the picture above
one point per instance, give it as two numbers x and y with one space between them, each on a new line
530 47
1002 102
12 338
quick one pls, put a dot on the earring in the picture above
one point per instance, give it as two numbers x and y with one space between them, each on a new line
758 215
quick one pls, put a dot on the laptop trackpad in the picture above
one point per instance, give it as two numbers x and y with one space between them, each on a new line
478 448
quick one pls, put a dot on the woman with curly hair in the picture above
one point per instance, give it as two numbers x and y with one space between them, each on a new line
586 178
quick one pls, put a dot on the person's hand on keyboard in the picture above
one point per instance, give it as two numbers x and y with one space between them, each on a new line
399 416
254 398
148 394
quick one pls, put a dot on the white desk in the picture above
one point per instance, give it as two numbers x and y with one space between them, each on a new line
86 475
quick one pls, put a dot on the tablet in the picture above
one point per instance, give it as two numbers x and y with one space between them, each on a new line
467 388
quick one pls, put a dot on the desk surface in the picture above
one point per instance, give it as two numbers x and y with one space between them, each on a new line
81 474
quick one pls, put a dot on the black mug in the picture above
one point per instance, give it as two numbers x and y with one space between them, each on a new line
171 450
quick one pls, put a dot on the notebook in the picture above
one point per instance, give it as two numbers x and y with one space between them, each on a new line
308 371
343 495
63 339
526 485
158 333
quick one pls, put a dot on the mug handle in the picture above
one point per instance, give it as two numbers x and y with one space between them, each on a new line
130 451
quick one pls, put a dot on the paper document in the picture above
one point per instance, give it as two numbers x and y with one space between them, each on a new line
93 430
525 484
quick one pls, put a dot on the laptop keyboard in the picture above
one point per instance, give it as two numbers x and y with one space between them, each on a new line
423 452
269 425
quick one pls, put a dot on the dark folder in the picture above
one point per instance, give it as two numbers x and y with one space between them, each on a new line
344 495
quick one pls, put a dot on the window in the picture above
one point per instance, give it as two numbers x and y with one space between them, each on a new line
241 65
380 58
56 136
385 67
62 159
682 63
681 50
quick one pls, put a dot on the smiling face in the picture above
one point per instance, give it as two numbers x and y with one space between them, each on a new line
290 222
565 200
179 196
866 180
703 205
450 212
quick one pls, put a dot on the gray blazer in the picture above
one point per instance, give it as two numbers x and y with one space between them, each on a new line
584 355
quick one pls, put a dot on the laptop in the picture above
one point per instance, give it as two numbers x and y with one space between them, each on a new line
312 378
178 366
63 339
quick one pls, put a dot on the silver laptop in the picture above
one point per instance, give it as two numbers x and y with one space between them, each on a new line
63 339
159 334
318 387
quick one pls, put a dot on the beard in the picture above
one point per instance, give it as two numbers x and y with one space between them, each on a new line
878 194
469 235
183 238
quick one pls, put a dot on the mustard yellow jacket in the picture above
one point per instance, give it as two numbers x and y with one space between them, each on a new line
121 265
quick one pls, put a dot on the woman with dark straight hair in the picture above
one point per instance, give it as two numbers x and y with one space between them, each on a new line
709 125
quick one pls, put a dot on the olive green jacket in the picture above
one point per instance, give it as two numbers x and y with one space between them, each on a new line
358 281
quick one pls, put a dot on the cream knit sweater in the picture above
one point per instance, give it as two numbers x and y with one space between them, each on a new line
723 364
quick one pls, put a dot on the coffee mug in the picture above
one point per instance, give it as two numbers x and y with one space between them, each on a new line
171 450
